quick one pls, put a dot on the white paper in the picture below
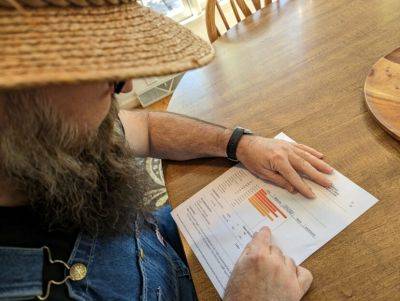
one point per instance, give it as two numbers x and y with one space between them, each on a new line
220 219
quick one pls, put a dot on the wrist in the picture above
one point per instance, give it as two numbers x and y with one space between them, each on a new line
243 146
223 140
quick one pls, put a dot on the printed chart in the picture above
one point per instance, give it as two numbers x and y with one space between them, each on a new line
221 219
264 206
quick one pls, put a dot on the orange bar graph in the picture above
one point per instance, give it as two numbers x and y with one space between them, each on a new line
263 198
264 205
272 204
260 207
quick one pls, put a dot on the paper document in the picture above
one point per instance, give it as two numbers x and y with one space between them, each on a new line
220 219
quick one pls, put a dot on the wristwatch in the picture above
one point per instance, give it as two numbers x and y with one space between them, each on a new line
231 148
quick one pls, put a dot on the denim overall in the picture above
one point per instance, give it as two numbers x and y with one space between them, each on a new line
142 266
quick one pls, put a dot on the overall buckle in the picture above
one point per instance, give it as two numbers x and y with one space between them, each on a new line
77 272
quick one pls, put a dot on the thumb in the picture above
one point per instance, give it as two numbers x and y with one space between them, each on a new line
305 278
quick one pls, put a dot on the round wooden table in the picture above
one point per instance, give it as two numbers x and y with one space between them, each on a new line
299 67
382 92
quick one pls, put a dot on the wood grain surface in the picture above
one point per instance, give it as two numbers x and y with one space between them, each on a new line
300 67
382 92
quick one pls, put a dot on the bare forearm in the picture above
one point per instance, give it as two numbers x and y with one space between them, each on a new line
172 136
177 137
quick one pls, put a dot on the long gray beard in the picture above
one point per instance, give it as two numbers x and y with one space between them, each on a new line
88 182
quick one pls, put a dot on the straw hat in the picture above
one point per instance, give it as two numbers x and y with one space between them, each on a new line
70 41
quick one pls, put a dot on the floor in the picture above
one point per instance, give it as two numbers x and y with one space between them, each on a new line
160 105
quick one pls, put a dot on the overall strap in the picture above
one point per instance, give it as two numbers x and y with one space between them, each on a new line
21 273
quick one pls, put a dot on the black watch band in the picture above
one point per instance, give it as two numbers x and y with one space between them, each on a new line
231 148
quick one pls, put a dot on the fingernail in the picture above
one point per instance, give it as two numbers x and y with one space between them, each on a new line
313 196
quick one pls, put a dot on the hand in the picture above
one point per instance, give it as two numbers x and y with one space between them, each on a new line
262 272
281 162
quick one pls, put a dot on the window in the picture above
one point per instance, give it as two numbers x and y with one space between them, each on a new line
178 10
149 90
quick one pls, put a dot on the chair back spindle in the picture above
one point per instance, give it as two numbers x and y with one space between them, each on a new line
238 7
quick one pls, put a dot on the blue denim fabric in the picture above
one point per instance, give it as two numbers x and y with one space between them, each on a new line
143 266
15 282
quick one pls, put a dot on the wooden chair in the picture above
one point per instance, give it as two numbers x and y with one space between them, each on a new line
236 5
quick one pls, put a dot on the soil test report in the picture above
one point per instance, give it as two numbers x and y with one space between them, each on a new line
219 220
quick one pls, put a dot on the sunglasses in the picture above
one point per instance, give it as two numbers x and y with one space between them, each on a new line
118 86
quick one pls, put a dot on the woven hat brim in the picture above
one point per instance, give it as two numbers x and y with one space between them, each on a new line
114 42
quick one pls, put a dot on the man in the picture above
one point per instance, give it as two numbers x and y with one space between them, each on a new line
73 224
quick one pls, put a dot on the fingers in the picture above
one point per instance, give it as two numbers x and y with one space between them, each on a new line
305 279
306 168
274 250
287 171
262 238
309 150
315 162
274 261
278 180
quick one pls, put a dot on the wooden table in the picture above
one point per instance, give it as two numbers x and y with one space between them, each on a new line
300 67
